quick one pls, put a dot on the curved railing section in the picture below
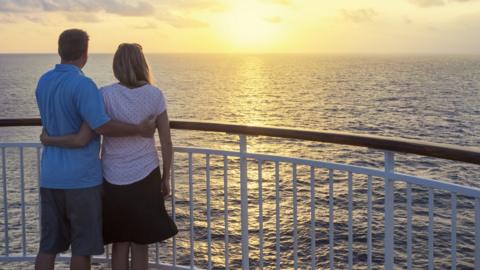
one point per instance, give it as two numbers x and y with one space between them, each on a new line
445 151
280 235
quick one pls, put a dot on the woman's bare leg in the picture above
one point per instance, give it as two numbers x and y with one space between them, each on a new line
139 257
120 255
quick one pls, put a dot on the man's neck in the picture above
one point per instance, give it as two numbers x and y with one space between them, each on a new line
75 63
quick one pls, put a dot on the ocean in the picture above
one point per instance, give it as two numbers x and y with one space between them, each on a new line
434 98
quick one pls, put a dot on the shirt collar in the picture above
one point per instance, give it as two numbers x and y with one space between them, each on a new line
67 67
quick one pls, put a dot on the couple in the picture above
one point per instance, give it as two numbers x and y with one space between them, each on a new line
86 201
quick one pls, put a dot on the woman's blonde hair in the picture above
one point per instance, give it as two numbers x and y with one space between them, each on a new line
130 66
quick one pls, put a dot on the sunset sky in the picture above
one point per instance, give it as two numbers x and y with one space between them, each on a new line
247 26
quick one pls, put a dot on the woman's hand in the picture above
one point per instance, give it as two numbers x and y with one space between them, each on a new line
163 126
165 188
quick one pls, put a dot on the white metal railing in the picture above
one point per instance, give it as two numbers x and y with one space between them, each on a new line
21 227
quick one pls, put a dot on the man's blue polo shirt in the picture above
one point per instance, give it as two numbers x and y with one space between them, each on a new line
66 98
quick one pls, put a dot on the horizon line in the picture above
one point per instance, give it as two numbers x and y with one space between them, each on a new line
267 53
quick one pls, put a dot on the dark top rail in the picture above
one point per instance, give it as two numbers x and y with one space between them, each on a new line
445 151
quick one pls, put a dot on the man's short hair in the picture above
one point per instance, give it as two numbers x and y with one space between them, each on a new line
72 44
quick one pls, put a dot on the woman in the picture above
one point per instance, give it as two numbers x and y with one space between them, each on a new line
134 213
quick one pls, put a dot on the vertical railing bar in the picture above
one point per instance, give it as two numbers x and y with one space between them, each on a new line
190 191
454 231
5 201
225 203
409 226
22 199
312 218
157 260
277 215
244 202
389 211
39 209
477 232
369 222
107 256
107 253
209 211
295 217
350 213
260 213
430 229
331 225
174 214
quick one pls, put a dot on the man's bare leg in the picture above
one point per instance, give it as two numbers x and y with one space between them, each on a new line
45 261
120 255
80 263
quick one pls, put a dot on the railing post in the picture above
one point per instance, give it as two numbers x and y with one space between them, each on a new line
244 201
477 233
5 201
388 211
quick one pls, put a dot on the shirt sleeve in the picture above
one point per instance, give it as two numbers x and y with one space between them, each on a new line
162 104
90 105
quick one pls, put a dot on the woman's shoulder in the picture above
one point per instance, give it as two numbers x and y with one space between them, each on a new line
152 87
154 91
107 88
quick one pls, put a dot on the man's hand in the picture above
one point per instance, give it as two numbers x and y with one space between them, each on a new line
43 136
147 126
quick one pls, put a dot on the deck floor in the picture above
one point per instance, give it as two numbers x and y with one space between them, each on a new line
58 266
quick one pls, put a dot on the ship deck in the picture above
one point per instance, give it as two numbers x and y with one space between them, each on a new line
231 205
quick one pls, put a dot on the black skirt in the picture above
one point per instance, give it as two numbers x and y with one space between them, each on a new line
136 212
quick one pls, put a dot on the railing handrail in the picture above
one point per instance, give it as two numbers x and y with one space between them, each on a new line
411 146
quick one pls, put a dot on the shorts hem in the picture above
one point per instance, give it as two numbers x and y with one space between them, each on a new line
52 252
91 253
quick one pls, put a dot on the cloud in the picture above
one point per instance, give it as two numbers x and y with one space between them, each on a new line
35 19
280 2
435 3
82 17
274 19
149 25
427 3
198 5
123 8
179 21
407 20
119 7
359 15
5 19
469 21
184 22
18 6
176 13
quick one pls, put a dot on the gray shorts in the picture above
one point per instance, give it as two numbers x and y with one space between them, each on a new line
71 217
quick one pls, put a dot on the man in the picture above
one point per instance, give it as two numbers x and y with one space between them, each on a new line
71 178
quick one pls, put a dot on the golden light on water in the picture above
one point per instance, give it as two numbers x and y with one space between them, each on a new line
254 90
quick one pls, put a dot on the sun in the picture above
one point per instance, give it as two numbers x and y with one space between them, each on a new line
250 26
